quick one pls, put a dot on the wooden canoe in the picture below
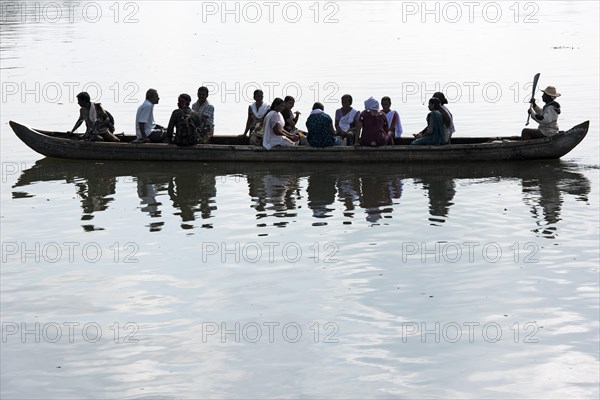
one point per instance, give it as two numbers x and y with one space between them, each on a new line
236 149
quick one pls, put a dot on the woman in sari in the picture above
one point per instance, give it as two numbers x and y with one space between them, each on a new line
444 101
438 124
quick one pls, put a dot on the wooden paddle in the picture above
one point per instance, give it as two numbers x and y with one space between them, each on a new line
535 82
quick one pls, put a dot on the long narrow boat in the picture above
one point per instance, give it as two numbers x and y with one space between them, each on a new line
236 149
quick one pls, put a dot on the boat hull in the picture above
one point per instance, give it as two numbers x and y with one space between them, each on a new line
57 144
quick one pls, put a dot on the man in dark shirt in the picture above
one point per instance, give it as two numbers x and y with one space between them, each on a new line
290 122
176 122
321 132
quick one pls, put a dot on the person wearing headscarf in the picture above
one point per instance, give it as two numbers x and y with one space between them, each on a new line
375 130
546 117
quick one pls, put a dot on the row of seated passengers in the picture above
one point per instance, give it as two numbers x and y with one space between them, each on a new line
100 124
274 125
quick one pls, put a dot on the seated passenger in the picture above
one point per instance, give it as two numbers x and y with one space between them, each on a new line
146 129
320 128
186 124
256 114
547 117
438 124
275 135
375 131
206 112
443 100
98 122
347 121
393 118
290 117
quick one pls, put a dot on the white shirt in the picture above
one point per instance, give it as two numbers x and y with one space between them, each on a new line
548 123
270 138
398 128
346 120
145 114
259 112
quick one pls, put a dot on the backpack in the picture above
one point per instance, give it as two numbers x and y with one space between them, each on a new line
186 130
104 117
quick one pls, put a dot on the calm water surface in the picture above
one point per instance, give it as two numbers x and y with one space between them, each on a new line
192 280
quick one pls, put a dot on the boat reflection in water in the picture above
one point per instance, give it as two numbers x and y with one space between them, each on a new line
95 194
544 194
148 191
190 193
441 191
273 195
321 192
193 193
278 190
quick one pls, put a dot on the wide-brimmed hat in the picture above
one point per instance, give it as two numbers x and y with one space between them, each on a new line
551 91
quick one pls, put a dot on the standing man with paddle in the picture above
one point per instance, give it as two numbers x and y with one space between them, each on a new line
546 117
